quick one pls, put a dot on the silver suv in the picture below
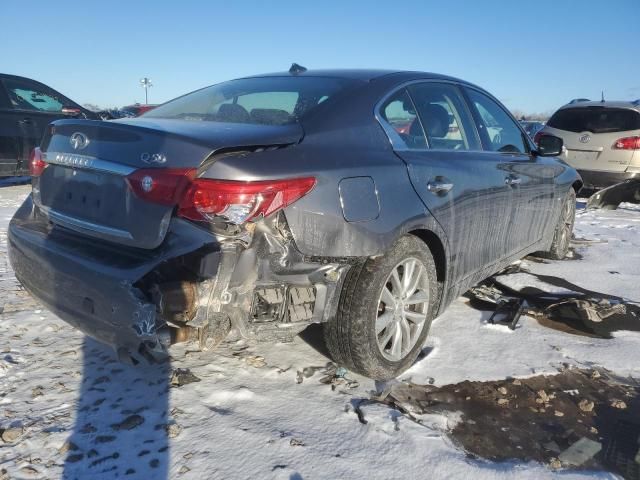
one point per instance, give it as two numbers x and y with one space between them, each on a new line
602 140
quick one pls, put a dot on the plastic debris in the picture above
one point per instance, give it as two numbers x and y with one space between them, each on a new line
182 376
580 452
255 361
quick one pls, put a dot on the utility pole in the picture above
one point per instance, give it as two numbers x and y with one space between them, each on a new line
146 84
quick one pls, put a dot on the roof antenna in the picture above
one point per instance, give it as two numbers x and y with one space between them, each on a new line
295 69
602 96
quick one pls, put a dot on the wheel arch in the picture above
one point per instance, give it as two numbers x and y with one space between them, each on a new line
577 185
436 246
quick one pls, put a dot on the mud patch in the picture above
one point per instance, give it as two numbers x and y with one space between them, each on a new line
586 419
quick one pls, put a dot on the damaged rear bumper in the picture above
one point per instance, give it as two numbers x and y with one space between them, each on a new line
91 285
258 283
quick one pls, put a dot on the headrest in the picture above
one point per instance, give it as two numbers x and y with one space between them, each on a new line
270 116
436 119
232 112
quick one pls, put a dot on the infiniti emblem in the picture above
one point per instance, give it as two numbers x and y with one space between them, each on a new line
78 140
153 158
585 138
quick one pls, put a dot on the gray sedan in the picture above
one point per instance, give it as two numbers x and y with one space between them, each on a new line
360 199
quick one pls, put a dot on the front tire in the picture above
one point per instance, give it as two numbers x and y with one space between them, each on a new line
385 311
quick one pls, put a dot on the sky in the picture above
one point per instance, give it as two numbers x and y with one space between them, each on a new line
534 55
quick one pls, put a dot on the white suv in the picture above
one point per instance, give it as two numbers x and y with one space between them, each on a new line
602 140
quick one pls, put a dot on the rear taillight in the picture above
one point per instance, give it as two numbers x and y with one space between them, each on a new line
627 143
202 199
162 186
239 202
36 163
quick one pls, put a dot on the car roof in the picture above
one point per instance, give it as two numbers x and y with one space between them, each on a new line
364 74
8 75
634 105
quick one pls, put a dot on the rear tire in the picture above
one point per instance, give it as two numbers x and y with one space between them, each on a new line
564 228
385 311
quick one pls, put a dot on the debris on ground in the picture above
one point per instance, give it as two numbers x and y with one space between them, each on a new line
11 434
173 430
337 377
586 405
577 311
255 361
619 404
182 376
580 452
541 418
611 197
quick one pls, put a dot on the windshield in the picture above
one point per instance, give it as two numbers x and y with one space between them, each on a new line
595 119
262 100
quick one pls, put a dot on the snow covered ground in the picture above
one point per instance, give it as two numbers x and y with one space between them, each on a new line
69 409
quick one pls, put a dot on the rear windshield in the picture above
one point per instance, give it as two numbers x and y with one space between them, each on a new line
263 100
595 120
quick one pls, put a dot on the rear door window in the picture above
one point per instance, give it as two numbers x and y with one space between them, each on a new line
595 120
26 95
399 112
444 117
498 131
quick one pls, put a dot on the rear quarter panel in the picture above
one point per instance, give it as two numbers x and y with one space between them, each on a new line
317 221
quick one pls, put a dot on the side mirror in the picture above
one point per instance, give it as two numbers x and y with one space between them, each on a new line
71 111
549 146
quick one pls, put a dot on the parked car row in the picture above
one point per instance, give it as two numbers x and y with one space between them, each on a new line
27 107
532 127
363 200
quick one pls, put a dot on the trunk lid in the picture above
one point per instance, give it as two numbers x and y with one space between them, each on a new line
84 187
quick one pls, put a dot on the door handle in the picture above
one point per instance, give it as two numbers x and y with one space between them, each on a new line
512 180
439 186
25 121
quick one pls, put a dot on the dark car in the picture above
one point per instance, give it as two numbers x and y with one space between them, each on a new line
26 108
531 127
138 109
262 205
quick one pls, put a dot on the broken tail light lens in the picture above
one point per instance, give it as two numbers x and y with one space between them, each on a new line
36 163
239 202
163 186
627 143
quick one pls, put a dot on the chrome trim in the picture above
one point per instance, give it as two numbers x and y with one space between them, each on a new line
83 226
86 162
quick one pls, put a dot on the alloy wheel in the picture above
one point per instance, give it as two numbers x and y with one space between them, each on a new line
402 309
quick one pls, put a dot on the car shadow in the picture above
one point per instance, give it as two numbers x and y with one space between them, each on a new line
121 417
12 181
314 337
